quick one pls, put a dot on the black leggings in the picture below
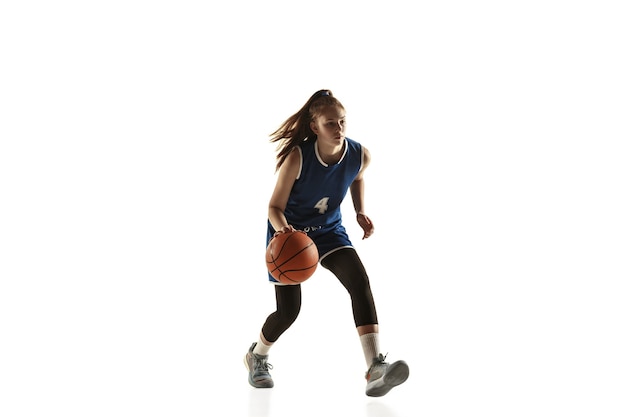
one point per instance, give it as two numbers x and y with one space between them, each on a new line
347 266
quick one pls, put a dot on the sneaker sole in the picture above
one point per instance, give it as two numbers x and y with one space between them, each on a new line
266 383
396 374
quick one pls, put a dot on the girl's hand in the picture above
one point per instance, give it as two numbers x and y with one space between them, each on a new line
286 229
366 224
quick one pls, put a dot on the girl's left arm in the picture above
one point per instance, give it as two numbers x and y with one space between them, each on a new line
357 191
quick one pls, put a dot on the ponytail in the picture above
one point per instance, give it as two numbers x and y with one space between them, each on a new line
296 129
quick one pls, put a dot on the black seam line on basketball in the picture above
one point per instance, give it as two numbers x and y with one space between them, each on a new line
281 248
277 268
292 256
282 276
292 270
285 244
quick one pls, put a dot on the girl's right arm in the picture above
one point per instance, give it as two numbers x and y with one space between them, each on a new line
284 183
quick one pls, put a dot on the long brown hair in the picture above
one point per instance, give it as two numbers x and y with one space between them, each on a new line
296 129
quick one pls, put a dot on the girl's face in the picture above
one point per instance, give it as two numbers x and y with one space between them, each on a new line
330 126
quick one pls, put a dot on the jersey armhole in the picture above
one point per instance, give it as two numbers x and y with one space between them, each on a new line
301 161
362 159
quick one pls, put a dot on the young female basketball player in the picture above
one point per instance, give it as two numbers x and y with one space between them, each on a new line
316 165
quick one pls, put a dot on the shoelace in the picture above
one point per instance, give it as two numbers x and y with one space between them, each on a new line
380 360
261 364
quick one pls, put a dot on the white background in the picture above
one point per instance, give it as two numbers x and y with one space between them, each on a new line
135 171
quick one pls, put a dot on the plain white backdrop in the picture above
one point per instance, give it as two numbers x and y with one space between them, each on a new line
135 171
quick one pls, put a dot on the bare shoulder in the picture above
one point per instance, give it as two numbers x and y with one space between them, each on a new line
291 166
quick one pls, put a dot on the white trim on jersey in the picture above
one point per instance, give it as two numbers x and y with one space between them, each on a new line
301 162
345 151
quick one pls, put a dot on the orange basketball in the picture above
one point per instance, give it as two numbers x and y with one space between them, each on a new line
291 257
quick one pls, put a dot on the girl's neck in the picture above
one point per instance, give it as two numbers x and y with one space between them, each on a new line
330 154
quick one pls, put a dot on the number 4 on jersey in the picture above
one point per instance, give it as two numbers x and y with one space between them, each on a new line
322 205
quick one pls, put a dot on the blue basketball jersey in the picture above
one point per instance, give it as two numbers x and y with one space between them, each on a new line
314 204
320 188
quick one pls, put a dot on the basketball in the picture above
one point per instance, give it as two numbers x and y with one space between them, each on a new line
291 257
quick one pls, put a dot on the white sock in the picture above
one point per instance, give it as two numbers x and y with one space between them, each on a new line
369 342
261 348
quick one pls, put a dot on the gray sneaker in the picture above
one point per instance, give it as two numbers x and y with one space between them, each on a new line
382 377
258 369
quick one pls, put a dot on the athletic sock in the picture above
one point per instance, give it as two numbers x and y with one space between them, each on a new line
369 342
261 348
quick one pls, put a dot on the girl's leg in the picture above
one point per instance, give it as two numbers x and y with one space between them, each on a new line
347 266
288 299
381 377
